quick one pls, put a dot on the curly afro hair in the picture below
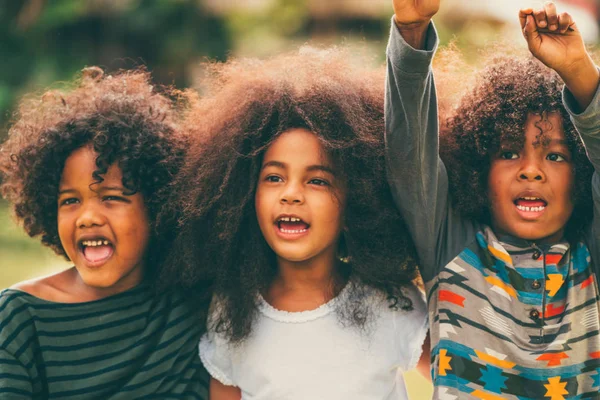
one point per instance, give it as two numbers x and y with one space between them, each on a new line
495 112
248 105
122 117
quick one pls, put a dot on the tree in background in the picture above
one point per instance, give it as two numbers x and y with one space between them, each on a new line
42 41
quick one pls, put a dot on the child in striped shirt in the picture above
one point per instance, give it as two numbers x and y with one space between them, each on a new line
505 228
87 171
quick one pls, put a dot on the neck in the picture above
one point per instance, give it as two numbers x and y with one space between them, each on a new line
84 292
318 274
549 240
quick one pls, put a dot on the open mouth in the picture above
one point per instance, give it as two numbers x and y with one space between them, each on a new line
96 250
292 225
530 204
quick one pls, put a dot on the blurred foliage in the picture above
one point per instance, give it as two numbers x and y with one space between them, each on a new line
20 256
42 41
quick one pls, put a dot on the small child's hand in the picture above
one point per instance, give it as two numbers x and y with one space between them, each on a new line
555 40
412 18
414 12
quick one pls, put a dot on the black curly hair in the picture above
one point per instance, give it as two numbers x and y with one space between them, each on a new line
495 112
248 105
124 119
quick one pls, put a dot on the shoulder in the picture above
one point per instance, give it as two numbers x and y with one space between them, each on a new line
16 315
399 317
10 299
50 288
417 297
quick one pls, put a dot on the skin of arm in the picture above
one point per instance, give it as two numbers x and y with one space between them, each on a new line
555 40
218 391
412 18
423 365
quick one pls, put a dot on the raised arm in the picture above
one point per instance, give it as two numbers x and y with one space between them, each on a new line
554 39
416 174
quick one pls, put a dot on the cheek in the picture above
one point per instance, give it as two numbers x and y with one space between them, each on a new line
329 209
136 234
498 183
260 204
65 227
567 182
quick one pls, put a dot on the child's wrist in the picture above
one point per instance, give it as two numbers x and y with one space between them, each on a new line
580 70
414 33
582 80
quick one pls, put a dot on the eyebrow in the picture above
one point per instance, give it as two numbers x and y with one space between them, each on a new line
108 188
65 191
559 141
508 144
100 189
316 167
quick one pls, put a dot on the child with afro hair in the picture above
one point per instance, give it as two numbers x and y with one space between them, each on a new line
88 170
285 208
505 227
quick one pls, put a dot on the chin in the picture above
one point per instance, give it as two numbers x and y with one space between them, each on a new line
292 258
535 234
96 283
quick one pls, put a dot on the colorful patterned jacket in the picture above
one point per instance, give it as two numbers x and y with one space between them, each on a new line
509 319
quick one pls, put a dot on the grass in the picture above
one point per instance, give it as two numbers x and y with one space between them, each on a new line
22 257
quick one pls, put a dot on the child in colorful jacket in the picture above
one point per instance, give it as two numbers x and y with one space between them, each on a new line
506 236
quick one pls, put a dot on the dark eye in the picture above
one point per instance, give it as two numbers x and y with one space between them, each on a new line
69 201
509 155
114 198
555 157
318 182
273 178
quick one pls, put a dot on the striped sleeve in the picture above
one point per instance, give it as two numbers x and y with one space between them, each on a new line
15 382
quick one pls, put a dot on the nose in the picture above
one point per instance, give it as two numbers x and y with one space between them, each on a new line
531 170
89 217
292 194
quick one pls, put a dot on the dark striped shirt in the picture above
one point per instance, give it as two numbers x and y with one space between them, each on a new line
128 346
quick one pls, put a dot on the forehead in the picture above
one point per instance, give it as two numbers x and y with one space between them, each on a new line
544 128
81 164
297 147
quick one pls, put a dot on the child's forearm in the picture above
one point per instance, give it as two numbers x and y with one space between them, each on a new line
412 17
414 35
582 81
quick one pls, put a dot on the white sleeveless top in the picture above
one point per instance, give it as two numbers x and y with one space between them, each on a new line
312 355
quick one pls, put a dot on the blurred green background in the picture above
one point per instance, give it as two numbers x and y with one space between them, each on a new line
45 41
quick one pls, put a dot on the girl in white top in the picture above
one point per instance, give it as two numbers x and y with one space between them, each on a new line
286 207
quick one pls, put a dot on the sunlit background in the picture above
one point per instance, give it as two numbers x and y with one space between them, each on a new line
45 41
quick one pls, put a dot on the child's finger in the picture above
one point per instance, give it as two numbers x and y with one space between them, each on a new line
551 16
540 18
564 22
523 13
530 31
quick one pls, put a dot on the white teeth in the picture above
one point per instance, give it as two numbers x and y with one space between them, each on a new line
293 231
530 198
288 219
94 243
535 209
